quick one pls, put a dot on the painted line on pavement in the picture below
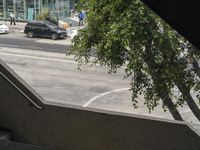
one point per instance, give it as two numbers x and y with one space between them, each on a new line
58 42
15 46
103 94
46 58
38 57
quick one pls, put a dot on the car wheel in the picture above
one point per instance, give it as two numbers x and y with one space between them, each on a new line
54 36
30 34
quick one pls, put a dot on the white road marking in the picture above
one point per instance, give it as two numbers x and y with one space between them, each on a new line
103 94
14 46
47 58
38 57
61 42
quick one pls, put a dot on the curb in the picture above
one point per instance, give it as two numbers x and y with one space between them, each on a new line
14 31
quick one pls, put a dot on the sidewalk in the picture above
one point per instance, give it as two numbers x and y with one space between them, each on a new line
19 27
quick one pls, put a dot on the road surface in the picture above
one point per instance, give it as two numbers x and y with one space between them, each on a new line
20 40
56 78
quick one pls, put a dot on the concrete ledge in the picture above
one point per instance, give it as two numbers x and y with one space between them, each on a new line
20 83
68 127
10 145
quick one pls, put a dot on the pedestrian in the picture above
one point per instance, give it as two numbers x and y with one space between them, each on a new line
12 19
80 16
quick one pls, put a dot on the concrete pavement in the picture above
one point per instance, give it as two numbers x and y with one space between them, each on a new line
94 90
19 27
55 77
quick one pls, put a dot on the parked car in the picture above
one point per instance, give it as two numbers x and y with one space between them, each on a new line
4 28
44 29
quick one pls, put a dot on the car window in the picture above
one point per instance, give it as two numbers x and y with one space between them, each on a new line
37 25
50 24
32 24
43 26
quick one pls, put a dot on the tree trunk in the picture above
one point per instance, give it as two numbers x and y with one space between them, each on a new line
149 59
170 105
196 67
188 98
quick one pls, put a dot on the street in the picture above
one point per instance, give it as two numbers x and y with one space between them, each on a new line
20 40
43 64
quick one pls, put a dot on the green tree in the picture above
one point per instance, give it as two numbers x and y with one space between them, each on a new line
45 15
128 33
81 5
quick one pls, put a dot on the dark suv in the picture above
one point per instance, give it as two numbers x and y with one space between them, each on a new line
44 29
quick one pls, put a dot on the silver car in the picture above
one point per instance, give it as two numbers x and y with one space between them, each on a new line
4 28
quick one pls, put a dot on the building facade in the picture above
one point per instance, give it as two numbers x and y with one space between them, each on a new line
29 9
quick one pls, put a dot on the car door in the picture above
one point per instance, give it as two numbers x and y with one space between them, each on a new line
37 30
45 30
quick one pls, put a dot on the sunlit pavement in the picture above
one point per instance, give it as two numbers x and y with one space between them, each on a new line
56 78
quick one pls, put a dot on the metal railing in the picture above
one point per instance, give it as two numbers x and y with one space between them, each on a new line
18 89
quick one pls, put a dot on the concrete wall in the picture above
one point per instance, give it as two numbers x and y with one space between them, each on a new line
10 145
75 128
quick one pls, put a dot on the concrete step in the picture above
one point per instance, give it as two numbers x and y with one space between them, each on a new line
5 135
10 145
7 144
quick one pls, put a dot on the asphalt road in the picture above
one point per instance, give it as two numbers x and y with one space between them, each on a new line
56 78
20 40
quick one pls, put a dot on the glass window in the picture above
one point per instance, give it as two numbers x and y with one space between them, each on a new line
32 9
60 8
19 4
43 25
29 9
9 8
64 8
1 9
